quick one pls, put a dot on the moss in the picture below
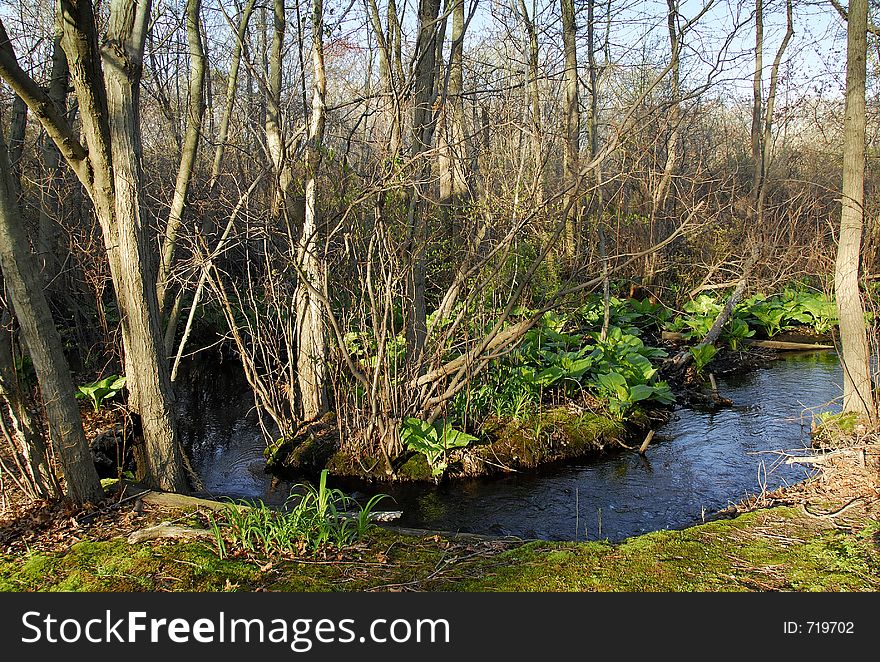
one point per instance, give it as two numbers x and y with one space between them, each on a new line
550 436
776 549
277 452
734 555
831 428
416 467
308 449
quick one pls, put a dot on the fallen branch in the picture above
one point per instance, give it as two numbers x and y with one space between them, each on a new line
645 443
168 531
782 345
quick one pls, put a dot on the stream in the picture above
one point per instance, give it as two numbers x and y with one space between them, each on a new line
699 462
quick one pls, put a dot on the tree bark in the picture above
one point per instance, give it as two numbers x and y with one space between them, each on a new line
422 137
28 448
274 122
454 153
44 345
311 344
231 86
535 129
389 104
757 94
51 204
146 365
858 394
571 111
189 151
662 190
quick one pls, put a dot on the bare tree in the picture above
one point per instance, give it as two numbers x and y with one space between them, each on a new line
189 151
44 345
858 392
109 167
311 345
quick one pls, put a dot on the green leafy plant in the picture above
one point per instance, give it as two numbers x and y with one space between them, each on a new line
702 354
433 441
621 396
735 331
770 316
97 392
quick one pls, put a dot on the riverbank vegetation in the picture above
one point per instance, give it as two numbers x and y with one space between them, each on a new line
819 536
437 240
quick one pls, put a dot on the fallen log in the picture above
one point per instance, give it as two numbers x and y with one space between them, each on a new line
782 345
183 502
821 458
168 531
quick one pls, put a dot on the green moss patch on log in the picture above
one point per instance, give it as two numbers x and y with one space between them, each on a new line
553 435
309 449
550 436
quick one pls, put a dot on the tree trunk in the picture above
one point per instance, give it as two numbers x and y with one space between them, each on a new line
51 204
231 86
188 155
454 153
571 110
146 367
422 136
388 106
45 346
311 344
274 123
17 129
757 95
858 394
767 135
534 99
662 190
27 446
598 200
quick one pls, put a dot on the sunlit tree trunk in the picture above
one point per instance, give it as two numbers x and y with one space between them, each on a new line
274 120
571 111
389 104
453 158
858 394
145 362
231 87
757 94
189 151
536 130
45 348
422 137
311 344
674 118
108 165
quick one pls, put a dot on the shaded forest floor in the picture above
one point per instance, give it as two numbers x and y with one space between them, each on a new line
820 535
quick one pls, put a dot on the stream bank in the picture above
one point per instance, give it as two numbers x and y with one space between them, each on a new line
699 462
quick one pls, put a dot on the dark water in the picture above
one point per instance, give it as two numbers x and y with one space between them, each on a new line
698 463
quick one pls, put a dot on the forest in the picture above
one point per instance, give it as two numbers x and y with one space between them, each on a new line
430 261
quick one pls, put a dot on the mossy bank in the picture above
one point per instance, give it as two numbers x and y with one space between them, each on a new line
506 444
772 549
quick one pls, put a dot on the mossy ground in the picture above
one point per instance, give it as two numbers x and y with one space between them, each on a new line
771 549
